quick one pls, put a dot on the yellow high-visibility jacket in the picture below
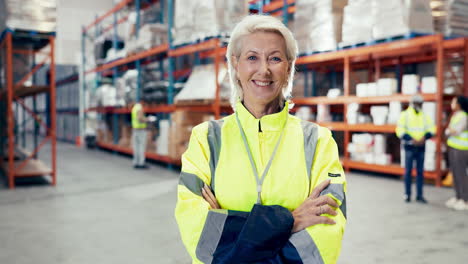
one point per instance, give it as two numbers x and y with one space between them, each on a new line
415 125
135 121
459 141
246 232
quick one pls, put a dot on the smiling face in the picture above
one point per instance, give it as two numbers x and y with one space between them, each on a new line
262 68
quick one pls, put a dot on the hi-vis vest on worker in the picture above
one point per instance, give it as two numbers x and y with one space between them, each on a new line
460 141
242 232
416 125
135 121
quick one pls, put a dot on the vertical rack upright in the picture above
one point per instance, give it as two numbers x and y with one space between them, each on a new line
19 162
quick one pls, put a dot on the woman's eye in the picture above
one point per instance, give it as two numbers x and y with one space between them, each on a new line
251 58
276 59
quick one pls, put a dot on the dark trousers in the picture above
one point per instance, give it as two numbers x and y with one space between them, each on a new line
414 154
459 167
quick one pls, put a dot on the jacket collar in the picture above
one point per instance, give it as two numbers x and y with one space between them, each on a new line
413 111
272 122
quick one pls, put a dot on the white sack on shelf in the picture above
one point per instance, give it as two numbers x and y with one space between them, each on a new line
304 113
429 84
201 84
372 89
379 114
394 112
352 113
162 142
430 109
410 84
386 86
323 113
380 145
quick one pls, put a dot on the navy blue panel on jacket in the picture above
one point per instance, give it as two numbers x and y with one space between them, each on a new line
260 236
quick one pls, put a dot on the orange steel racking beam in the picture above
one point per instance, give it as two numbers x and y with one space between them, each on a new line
389 169
153 51
33 71
346 88
291 10
440 89
27 167
149 155
216 105
276 5
465 68
9 87
111 26
53 130
189 49
29 52
116 8
361 100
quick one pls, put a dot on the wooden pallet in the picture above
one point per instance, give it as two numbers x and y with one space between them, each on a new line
31 169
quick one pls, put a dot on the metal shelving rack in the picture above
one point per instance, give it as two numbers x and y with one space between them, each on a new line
16 161
433 48
211 48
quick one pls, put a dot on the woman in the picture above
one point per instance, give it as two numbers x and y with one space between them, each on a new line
458 152
261 186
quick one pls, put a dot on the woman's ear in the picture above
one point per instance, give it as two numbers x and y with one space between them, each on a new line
235 65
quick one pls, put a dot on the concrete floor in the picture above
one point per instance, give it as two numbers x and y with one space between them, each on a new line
103 211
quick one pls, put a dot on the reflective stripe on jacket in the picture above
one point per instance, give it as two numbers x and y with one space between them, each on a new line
244 231
459 141
416 125
135 121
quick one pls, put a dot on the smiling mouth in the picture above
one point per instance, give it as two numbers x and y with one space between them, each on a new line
262 83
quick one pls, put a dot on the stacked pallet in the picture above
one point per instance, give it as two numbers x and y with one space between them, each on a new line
318 24
450 17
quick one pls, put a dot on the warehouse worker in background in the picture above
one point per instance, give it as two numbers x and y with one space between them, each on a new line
457 143
261 185
139 135
414 128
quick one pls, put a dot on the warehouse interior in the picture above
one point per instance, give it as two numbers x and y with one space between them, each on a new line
72 72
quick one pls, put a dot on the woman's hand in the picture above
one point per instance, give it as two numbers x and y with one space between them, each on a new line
209 197
310 211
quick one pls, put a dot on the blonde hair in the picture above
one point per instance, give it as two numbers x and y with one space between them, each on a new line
259 23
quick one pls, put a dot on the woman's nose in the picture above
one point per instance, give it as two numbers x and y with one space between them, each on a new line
264 67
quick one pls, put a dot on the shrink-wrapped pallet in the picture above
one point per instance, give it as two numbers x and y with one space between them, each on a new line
357 22
31 15
400 17
450 17
317 25
198 20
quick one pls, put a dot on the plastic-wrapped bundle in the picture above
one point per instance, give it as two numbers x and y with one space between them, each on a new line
201 84
357 22
399 17
450 17
229 13
213 17
318 24
36 15
150 35
184 18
